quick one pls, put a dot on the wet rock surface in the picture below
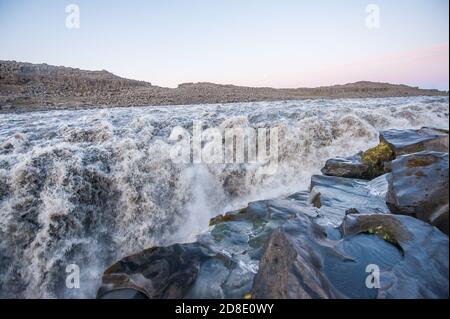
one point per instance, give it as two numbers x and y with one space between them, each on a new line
422 270
220 264
334 196
339 239
163 272
301 261
365 165
418 186
376 161
411 141
351 167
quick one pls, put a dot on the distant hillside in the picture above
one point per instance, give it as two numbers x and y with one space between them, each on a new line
26 86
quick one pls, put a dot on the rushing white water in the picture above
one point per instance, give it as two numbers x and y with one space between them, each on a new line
88 187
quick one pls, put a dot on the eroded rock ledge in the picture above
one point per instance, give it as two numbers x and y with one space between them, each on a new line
387 206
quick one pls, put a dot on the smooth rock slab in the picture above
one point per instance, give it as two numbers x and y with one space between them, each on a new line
412 141
301 261
423 269
418 186
334 196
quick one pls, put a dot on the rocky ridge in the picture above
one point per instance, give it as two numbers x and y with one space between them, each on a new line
31 87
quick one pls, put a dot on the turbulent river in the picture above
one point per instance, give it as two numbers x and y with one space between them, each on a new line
88 187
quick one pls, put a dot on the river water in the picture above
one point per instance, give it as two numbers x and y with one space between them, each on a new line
88 187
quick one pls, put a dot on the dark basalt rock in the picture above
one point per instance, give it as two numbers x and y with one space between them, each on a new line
301 260
376 161
163 272
418 186
422 271
285 272
351 167
284 248
365 165
221 264
412 141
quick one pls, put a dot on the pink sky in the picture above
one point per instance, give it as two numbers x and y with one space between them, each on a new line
289 43
430 65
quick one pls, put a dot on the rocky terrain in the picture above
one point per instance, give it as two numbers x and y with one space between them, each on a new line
29 87
386 206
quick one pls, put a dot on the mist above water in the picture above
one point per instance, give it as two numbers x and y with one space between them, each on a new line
88 187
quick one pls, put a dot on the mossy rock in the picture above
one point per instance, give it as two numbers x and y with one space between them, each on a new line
384 226
379 154
381 232
376 157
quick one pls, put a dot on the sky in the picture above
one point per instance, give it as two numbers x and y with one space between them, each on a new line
277 43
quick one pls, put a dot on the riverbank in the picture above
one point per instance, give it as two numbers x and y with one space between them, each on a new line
39 87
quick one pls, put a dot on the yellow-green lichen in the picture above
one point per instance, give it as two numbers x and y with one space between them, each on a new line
379 154
375 158
420 161
382 233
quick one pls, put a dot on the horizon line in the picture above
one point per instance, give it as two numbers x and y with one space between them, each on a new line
227 84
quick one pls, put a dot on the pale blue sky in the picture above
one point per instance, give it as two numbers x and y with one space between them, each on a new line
283 43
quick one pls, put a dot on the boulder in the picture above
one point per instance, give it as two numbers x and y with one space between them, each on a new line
364 165
161 272
351 167
376 161
411 141
418 187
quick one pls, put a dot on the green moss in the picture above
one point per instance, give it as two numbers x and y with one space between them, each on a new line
379 154
381 232
375 157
